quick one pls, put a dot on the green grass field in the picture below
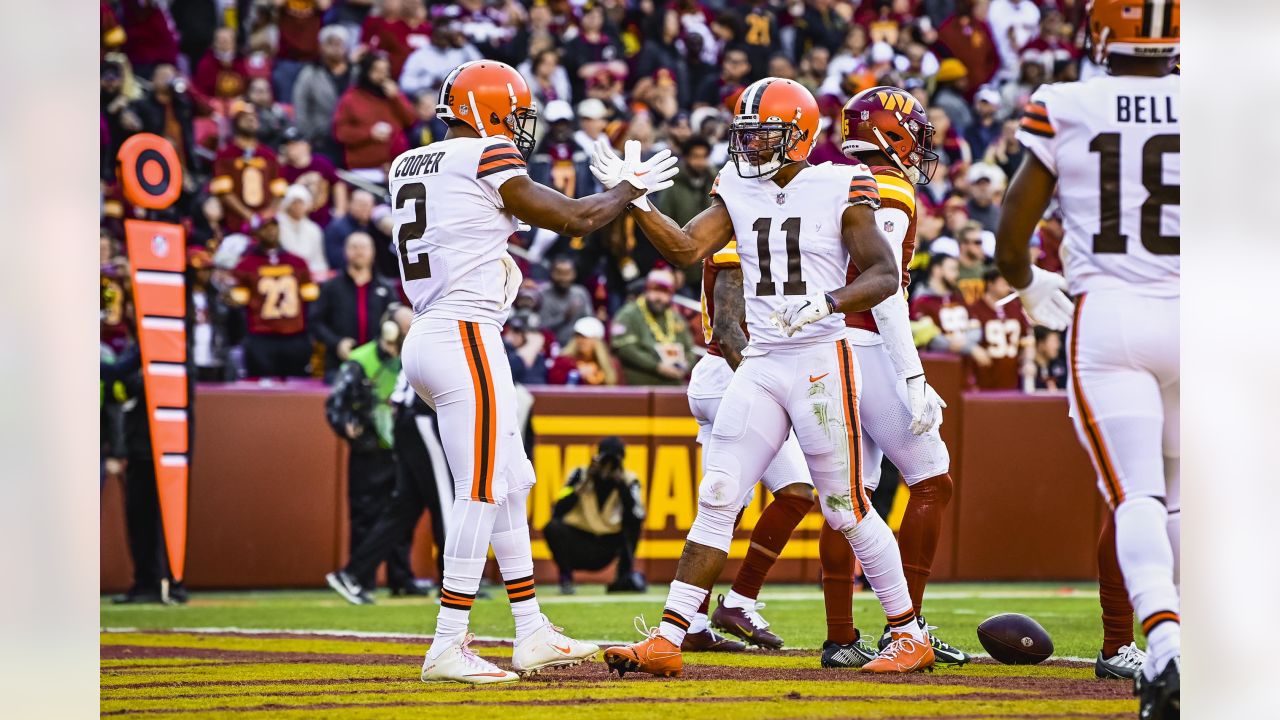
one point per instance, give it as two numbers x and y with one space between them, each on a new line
215 658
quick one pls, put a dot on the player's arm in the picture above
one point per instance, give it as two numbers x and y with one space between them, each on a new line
731 310
706 233
1025 202
543 207
878 275
1043 293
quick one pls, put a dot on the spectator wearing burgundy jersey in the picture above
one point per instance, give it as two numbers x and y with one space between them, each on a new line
246 174
591 48
318 87
316 173
149 35
346 313
299 23
938 312
1004 339
222 73
274 287
399 28
968 38
372 117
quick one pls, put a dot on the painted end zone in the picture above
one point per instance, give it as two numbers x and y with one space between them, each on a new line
234 675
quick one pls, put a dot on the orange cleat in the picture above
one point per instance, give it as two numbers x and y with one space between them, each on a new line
903 655
655 655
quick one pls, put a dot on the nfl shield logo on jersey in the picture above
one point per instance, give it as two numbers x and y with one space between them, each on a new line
888 226
782 198
160 246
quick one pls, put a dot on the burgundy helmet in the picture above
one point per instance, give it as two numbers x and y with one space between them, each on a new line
892 121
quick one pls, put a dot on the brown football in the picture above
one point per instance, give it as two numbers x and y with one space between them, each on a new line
1015 639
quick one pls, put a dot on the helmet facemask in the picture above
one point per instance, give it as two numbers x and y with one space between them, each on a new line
920 161
759 149
523 122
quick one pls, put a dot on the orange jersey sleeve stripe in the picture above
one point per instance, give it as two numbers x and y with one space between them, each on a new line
1037 127
497 166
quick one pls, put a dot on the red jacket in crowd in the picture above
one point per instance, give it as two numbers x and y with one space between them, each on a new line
358 111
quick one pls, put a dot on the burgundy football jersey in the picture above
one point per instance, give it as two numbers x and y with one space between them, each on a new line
1003 329
948 312
275 286
253 177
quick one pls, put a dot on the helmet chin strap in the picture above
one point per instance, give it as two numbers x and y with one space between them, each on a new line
911 172
475 110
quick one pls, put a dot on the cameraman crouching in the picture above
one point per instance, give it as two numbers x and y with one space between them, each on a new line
597 520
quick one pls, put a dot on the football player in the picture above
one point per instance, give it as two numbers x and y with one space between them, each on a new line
455 203
886 128
799 370
786 478
1110 146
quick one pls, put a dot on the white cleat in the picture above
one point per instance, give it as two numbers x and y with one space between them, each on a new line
459 664
547 647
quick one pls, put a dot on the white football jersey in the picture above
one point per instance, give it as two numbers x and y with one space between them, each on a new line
790 244
450 226
1113 142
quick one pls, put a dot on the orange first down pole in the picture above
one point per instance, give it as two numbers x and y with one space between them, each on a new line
151 176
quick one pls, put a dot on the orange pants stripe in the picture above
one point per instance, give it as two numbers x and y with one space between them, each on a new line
486 429
1097 447
849 402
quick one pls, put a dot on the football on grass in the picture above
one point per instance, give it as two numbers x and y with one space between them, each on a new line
1015 639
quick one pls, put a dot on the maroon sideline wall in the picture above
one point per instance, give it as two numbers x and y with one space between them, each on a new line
268 488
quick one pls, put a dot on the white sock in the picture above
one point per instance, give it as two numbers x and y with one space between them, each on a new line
465 550
1147 561
698 623
734 600
511 548
1174 528
875 548
683 601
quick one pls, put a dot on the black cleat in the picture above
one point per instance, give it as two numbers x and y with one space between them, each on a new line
853 655
1160 699
348 588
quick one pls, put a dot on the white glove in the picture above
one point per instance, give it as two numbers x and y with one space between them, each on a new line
1046 301
926 406
798 312
650 175
512 280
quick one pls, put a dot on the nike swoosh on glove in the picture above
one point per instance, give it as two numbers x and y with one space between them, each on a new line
798 312
1045 299
650 175
926 405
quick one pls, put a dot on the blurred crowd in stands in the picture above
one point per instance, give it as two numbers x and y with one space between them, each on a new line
286 113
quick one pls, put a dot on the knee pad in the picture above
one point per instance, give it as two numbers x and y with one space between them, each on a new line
720 489
938 489
713 526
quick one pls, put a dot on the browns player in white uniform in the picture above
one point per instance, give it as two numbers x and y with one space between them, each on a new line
1110 145
455 204
799 369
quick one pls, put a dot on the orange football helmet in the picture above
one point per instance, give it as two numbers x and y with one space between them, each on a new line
775 123
1142 28
891 121
492 98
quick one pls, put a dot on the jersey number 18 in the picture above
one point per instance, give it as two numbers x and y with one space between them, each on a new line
1110 239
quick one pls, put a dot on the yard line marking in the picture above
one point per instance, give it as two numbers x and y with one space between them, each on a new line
368 635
